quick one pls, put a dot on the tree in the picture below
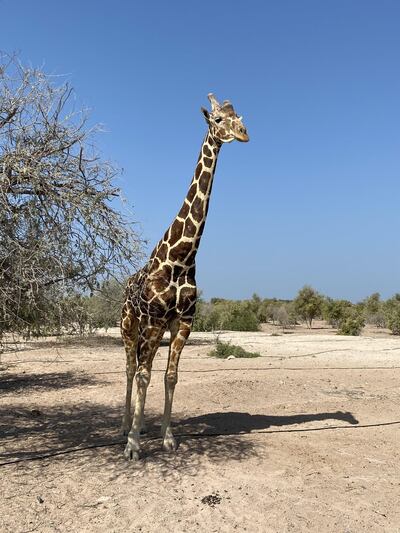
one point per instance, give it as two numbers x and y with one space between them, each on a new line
334 311
373 310
308 304
392 313
60 221
225 314
104 307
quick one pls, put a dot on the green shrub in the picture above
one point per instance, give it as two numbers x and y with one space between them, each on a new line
393 321
392 314
335 311
223 350
352 324
225 314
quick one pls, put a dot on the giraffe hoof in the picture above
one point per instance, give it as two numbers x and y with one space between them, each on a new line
169 444
130 454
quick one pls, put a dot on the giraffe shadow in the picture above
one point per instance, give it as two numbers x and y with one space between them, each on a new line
236 423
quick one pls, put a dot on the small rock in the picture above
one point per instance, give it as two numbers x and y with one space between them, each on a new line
231 357
40 499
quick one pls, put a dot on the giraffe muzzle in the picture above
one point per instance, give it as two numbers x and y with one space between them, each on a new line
242 135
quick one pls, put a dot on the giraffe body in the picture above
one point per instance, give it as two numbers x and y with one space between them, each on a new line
162 295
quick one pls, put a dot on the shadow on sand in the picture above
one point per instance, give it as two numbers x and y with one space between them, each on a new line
52 430
17 383
235 423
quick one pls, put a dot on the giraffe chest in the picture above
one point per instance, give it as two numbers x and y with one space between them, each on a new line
167 292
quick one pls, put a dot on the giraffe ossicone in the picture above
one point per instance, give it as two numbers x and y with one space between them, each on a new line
162 295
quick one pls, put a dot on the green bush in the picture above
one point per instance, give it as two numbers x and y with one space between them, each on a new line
352 324
225 315
335 311
393 321
223 350
392 314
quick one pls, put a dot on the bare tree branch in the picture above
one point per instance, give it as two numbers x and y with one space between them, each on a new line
61 225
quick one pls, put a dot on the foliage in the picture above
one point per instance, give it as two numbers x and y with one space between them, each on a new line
225 315
104 307
335 311
392 314
352 323
60 227
308 304
223 350
285 315
373 310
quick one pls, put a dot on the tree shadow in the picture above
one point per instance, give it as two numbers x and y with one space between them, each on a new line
236 423
61 341
17 383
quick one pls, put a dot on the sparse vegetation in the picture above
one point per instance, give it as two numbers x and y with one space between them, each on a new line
392 314
308 304
225 315
347 317
223 350
373 310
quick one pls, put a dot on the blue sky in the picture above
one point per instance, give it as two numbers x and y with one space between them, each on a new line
314 196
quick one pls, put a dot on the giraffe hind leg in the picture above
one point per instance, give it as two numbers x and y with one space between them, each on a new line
129 332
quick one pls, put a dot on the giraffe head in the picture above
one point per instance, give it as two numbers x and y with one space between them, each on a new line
224 124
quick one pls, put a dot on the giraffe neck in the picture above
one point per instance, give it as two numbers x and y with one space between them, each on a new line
182 238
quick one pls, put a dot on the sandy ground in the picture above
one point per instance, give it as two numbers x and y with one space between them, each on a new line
303 438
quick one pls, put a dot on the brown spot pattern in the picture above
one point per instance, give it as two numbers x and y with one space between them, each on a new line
192 192
183 213
197 209
180 251
190 228
176 232
204 181
198 170
162 252
177 272
206 151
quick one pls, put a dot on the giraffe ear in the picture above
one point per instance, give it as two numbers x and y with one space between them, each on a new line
206 114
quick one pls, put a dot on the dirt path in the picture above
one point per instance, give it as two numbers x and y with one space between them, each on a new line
304 438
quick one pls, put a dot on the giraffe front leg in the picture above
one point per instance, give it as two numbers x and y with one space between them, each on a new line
149 340
180 332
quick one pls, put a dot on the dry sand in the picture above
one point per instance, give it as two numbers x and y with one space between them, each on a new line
304 438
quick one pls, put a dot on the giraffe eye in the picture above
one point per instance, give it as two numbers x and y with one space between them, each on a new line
218 120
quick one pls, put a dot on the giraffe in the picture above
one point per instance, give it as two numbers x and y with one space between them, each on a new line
162 295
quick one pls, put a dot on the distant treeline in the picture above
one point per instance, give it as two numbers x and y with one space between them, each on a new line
77 313
346 317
